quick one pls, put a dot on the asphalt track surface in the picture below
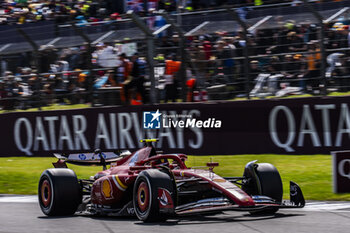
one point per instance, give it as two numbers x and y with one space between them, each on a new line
24 215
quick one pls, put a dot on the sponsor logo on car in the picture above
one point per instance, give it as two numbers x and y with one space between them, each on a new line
293 190
82 156
107 190
130 211
163 199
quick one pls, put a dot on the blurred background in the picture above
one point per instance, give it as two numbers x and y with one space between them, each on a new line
102 53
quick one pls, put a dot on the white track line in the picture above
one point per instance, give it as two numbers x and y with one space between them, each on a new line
310 206
19 199
325 206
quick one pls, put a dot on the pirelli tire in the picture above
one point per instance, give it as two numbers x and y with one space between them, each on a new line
269 179
145 195
59 192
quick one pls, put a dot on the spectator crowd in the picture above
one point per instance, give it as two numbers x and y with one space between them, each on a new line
283 59
288 55
62 11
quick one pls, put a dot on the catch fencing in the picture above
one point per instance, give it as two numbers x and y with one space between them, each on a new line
247 52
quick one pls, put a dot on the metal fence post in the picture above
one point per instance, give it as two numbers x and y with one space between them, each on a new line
88 61
183 54
150 59
150 53
236 17
34 46
319 18
35 54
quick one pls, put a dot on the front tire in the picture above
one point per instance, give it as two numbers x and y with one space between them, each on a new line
145 195
267 182
59 192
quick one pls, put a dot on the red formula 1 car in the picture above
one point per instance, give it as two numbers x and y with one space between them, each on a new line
155 186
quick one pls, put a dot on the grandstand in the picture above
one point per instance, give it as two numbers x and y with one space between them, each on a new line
91 52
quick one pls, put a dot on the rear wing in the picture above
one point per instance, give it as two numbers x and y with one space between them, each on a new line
90 159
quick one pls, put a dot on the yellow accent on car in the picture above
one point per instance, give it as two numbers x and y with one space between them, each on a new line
219 180
106 189
149 140
120 182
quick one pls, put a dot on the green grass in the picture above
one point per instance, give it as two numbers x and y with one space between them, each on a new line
20 175
312 172
339 93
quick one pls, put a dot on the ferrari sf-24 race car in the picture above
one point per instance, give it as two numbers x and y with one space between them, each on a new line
156 186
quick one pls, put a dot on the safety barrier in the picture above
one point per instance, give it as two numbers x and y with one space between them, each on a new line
315 125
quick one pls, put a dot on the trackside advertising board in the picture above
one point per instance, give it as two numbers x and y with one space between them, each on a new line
341 171
283 126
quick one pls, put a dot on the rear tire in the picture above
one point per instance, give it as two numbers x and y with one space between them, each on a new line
145 195
267 182
59 192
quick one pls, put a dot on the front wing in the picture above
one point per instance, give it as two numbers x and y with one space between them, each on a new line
261 203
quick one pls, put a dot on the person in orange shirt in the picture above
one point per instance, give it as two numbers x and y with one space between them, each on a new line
313 63
172 67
